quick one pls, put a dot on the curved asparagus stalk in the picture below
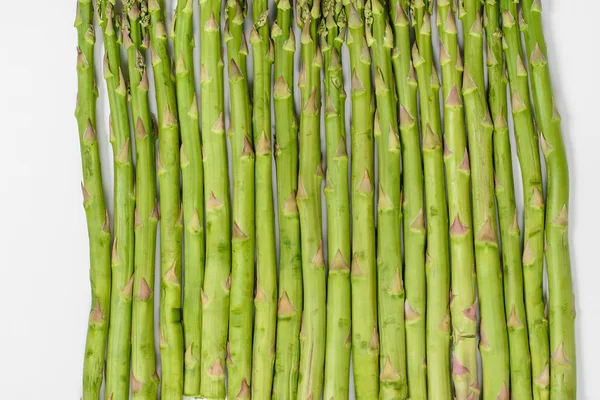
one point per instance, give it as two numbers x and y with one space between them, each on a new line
171 334
310 177
93 202
437 265
392 354
119 345
493 343
289 310
265 301
413 222
217 278
239 357
531 173
458 173
144 380
338 344
193 194
514 304
365 336
563 379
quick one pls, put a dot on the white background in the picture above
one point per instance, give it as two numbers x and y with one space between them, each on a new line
44 287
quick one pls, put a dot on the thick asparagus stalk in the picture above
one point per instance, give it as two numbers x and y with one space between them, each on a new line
338 344
365 336
93 203
392 354
412 206
531 173
217 279
310 177
563 382
119 345
289 310
239 357
437 264
514 304
493 343
193 194
265 301
144 380
171 334
458 172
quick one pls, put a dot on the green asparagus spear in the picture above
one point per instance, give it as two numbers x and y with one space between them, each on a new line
514 304
363 275
239 359
437 264
493 343
93 203
193 194
119 344
265 301
413 222
144 380
562 378
312 334
289 310
458 173
217 278
337 354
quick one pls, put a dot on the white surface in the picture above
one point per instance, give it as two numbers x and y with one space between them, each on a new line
44 288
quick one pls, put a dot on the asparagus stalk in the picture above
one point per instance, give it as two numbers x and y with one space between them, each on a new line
412 207
458 172
93 203
338 343
531 173
365 336
217 278
265 301
493 343
310 177
239 359
437 264
289 310
193 194
392 355
171 334
514 304
119 345
144 380
563 382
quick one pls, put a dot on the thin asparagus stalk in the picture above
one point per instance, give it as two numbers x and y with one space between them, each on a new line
289 310
93 202
338 344
363 275
217 278
531 173
310 177
265 301
119 344
437 264
493 343
239 359
144 380
563 379
413 222
514 304
171 334
193 194
392 355
458 173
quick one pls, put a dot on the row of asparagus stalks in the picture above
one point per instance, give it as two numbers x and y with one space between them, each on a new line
444 201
